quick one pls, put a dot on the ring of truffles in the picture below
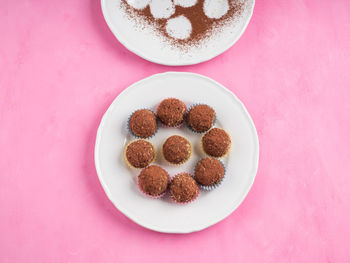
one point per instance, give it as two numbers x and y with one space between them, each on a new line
153 180
143 123
139 153
177 149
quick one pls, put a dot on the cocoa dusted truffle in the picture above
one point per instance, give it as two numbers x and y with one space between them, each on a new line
143 123
209 172
177 149
153 181
171 112
200 118
183 188
139 153
216 142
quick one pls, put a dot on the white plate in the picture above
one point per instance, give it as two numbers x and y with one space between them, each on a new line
119 181
143 42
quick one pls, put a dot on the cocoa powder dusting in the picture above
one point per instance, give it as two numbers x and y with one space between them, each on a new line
203 27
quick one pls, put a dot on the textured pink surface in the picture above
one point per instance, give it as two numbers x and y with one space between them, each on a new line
60 68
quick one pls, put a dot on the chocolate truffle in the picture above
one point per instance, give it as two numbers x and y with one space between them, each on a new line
200 118
177 149
171 112
143 123
216 142
139 153
153 180
209 172
183 188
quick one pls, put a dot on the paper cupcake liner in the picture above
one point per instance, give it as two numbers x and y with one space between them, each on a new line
178 164
183 203
192 106
210 187
136 136
176 126
152 196
223 156
127 161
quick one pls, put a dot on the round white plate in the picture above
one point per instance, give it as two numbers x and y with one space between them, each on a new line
119 181
143 41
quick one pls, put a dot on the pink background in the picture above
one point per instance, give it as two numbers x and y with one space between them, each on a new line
61 67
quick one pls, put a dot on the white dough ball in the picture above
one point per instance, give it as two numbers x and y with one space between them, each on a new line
185 3
138 4
215 8
162 8
179 27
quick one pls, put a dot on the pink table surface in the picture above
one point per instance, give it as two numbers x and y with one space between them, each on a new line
61 67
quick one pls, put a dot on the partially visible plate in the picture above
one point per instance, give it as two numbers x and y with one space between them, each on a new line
119 181
143 41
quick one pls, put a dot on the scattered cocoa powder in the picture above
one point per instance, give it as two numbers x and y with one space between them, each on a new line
203 27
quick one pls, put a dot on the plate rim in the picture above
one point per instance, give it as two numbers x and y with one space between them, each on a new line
136 220
192 61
